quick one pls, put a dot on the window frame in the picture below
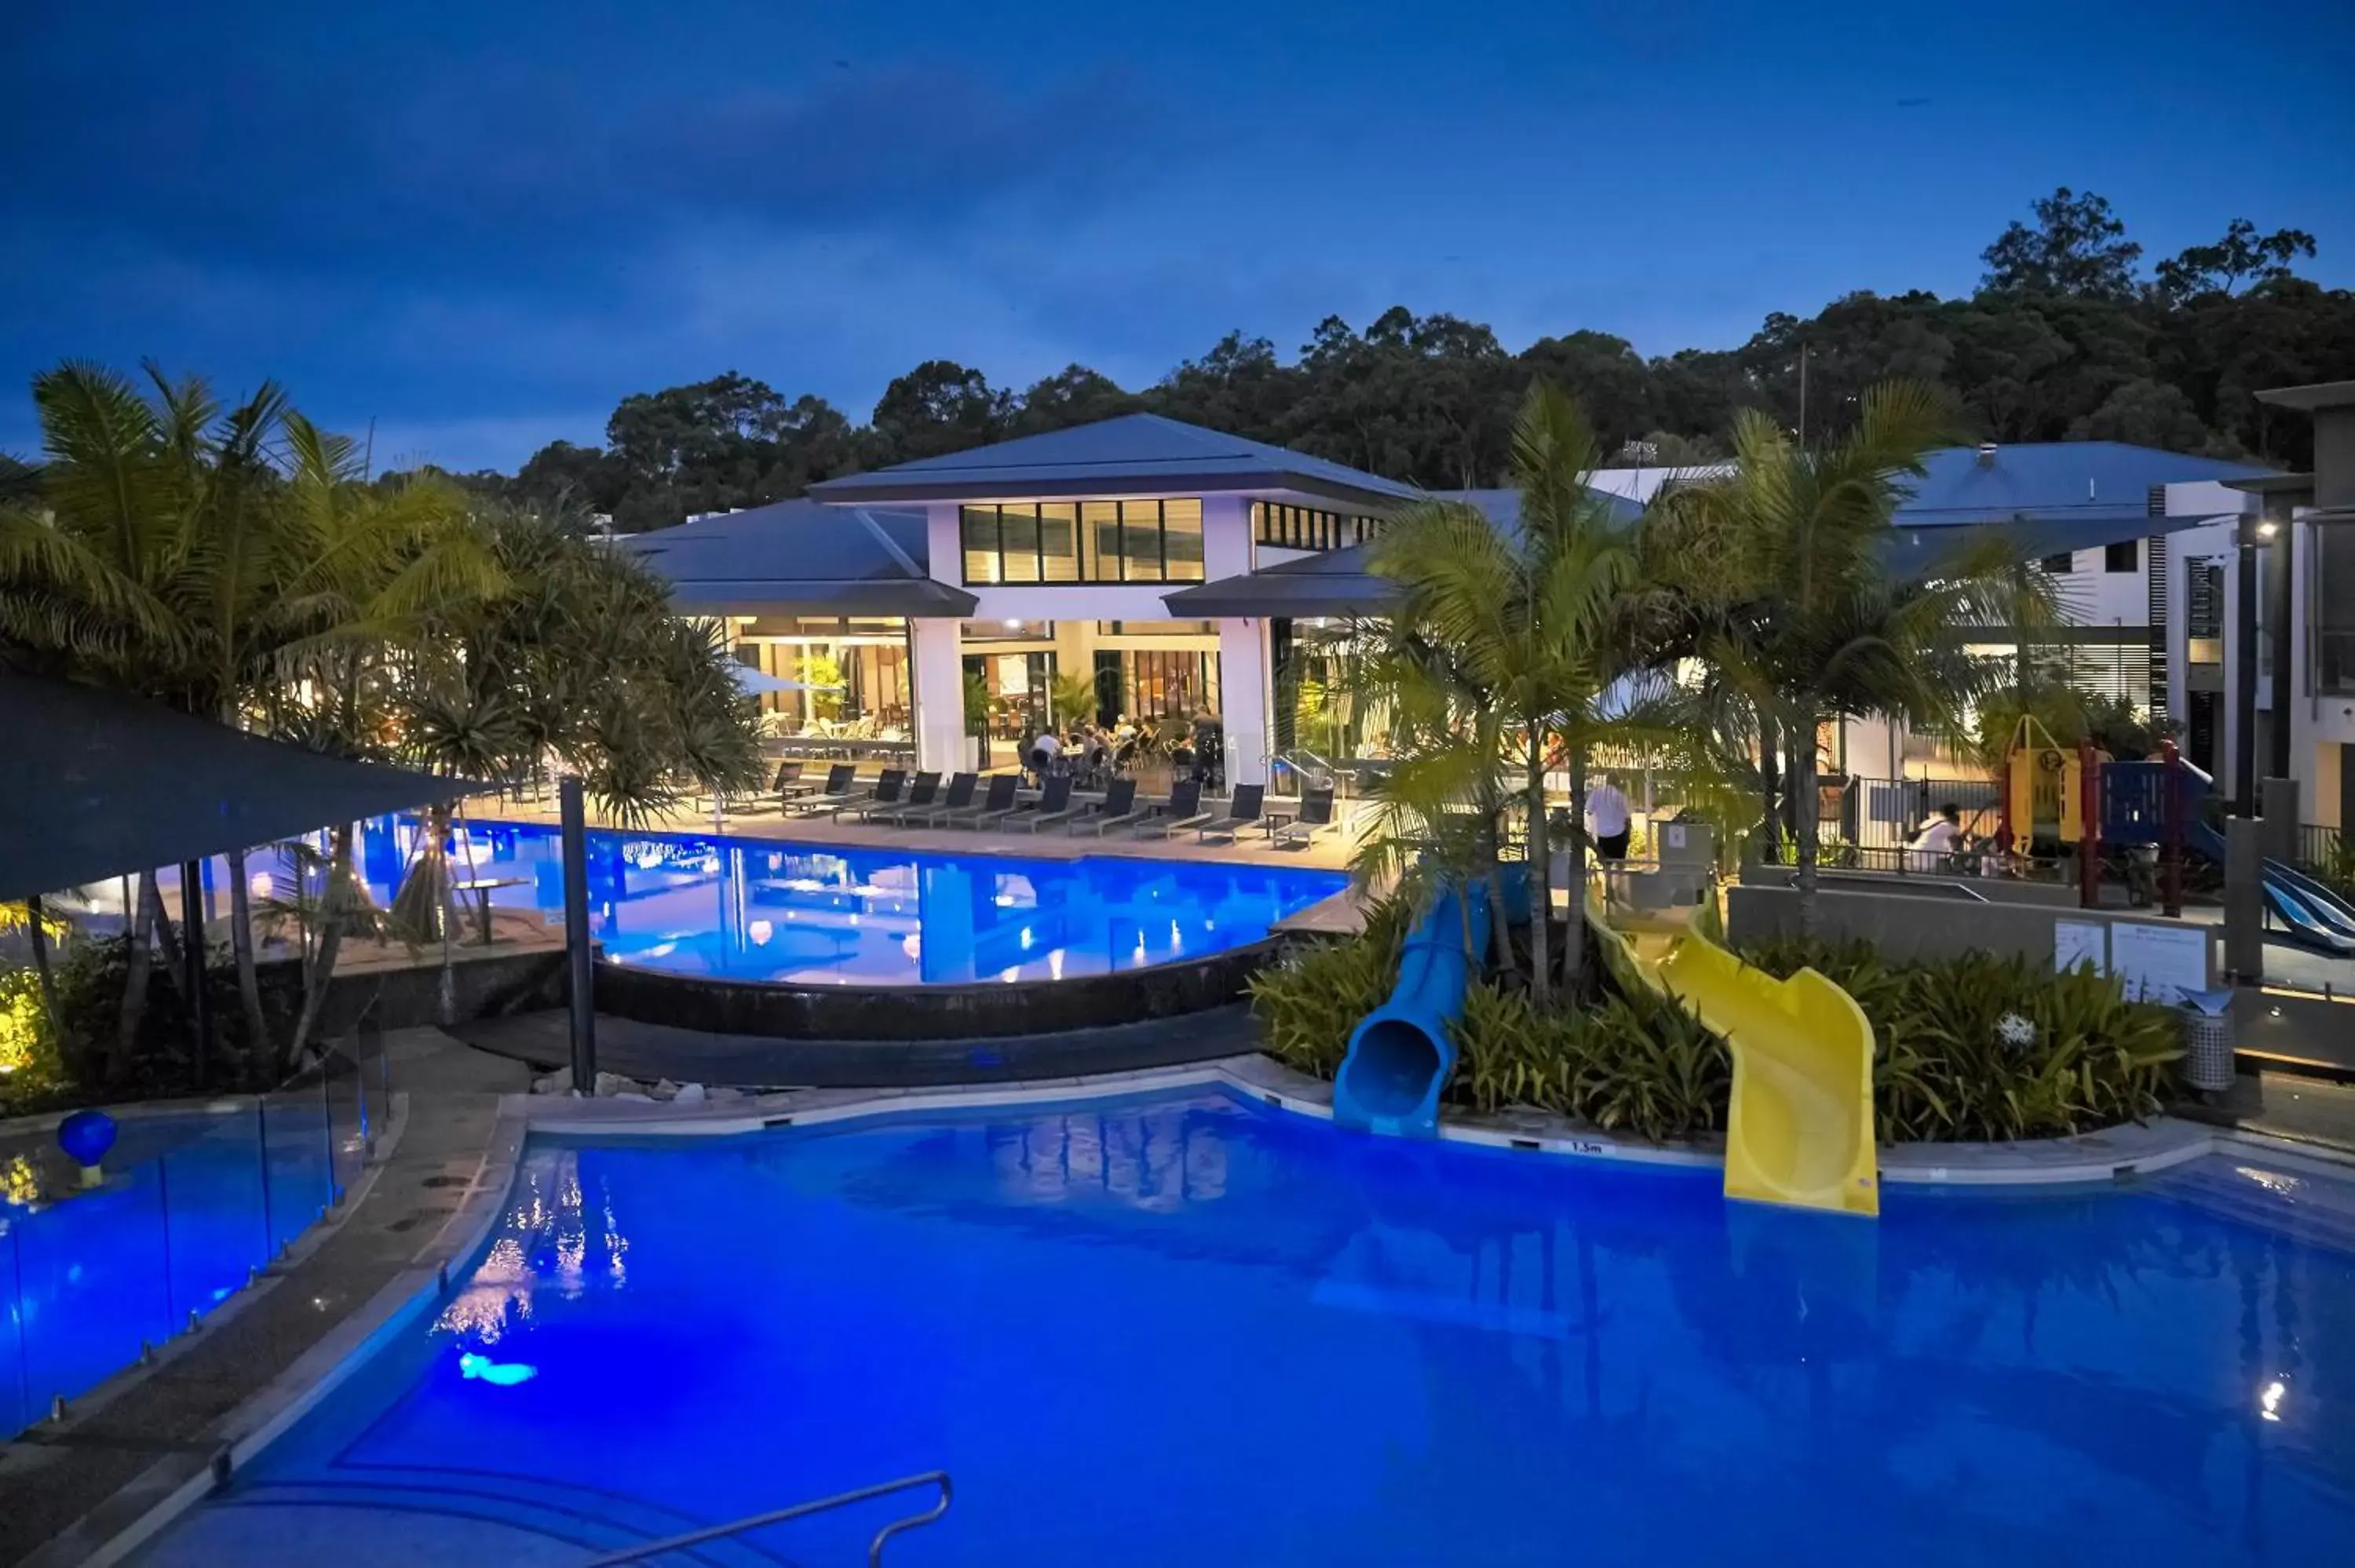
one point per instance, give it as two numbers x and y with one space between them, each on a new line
1141 525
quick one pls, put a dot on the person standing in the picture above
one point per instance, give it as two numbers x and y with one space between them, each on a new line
1606 819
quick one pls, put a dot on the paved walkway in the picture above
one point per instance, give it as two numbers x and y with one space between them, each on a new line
153 1433
1330 852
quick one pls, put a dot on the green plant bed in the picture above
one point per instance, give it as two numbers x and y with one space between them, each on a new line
1970 1049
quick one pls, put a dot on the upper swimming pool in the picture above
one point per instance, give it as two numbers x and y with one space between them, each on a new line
1189 1330
751 909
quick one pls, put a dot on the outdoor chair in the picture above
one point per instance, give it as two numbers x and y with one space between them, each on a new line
789 786
1316 816
838 779
993 815
1183 813
1242 810
994 804
887 793
959 798
1054 807
921 795
1118 810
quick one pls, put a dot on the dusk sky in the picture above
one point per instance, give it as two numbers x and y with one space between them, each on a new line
483 224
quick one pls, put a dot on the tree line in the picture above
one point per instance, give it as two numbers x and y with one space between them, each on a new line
2066 338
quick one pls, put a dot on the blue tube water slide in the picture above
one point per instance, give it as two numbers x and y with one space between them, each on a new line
1401 1053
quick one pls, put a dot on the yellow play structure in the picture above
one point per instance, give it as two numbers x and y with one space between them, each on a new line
2044 787
1800 1131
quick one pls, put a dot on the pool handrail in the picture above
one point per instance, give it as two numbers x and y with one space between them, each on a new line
639 1553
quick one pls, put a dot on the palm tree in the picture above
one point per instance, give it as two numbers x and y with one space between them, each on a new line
1796 611
1501 639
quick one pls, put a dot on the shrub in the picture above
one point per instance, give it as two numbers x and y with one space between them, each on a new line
1974 1048
1980 1047
1638 1062
1308 1002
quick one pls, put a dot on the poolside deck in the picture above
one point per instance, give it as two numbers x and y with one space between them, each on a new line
1328 852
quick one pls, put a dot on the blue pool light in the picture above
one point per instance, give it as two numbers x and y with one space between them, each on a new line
503 1374
86 1136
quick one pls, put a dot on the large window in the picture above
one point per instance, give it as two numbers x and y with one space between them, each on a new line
1087 541
1306 528
2334 608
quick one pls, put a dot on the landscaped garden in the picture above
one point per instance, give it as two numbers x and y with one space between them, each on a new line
240 564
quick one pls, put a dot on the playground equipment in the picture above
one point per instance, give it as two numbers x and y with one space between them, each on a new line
2138 808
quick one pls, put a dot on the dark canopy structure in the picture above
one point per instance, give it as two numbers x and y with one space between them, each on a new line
94 784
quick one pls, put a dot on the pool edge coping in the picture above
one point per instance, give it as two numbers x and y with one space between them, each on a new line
172 1487
158 1496
2107 1155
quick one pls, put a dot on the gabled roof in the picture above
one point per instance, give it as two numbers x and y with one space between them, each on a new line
2056 478
1135 454
1340 582
798 556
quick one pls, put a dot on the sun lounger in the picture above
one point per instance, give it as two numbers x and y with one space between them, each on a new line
1054 808
838 779
1118 810
997 802
1316 816
921 795
958 798
887 793
1243 812
1183 813
993 814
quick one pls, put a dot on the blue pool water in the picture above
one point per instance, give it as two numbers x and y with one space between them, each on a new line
1190 1330
753 909
191 1202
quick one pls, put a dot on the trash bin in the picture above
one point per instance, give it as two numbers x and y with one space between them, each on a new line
2206 1048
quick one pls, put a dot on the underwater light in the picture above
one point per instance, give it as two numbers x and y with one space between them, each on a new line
502 1374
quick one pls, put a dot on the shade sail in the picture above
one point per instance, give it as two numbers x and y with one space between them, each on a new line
95 784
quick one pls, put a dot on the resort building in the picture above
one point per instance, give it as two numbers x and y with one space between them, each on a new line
927 612
2127 534
2274 632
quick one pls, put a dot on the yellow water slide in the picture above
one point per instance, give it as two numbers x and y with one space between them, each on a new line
1801 1127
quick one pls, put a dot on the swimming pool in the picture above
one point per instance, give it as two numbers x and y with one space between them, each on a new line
1190 1329
753 909
192 1201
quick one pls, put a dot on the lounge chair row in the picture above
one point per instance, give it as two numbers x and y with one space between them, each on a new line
927 803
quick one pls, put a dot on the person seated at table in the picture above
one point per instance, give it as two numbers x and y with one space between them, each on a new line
1940 837
1044 750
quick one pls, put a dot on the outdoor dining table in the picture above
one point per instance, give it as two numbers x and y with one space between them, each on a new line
482 888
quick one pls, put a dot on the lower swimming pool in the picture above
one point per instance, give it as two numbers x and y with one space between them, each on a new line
1190 1330
753 909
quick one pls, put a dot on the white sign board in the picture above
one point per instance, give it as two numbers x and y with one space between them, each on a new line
2159 963
1674 836
2076 942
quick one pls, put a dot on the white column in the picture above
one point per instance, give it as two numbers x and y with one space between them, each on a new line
1244 699
937 681
1245 696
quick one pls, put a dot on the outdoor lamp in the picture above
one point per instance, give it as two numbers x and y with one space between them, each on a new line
85 1137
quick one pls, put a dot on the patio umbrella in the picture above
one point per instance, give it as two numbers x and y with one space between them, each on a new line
755 682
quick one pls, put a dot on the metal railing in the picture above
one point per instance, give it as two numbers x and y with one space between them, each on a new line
801 1510
2320 850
